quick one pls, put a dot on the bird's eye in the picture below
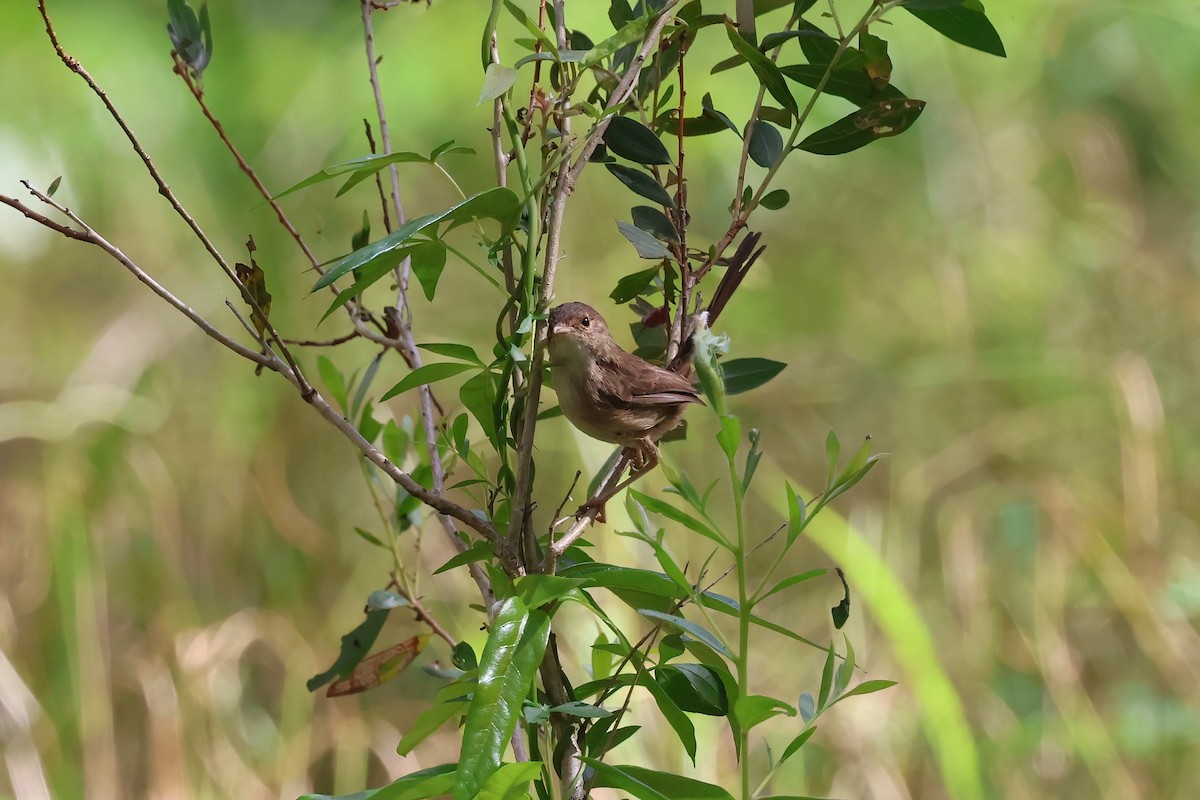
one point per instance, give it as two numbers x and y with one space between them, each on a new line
585 322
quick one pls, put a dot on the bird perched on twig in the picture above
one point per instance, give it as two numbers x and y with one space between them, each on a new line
609 394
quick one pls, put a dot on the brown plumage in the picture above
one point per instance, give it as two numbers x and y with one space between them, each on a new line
610 394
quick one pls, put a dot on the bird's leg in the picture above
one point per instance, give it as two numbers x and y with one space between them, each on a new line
645 459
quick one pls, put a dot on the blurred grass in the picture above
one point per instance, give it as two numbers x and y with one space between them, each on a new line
1004 297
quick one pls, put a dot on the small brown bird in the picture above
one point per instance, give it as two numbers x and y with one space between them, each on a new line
609 394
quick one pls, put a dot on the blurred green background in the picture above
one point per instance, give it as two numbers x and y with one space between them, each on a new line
1005 297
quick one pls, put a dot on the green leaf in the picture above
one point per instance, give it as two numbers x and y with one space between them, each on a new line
507 667
964 23
497 80
797 519
845 672
449 705
878 120
696 688
427 265
690 628
646 245
648 784
578 709
755 709
370 537
768 74
867 687
355 644
730 436
629 33
499 203
430 373
670 512
478 551
641 184
743 374
795 744
766 144
511 781
673 714
792 580
365 277
334 382
362 168
630 139
826 678
773 201
538 590
655 223
850 84
531 26
432 782
632 285
478 395
833 450
53 186
453 350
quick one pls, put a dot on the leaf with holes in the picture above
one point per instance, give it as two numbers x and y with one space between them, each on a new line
878 120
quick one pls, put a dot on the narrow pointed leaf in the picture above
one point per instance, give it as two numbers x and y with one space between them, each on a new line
964 23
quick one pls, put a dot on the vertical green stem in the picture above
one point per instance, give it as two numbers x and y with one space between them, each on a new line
744 610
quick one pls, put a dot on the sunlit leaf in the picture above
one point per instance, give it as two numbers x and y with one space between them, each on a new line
430 373
878 120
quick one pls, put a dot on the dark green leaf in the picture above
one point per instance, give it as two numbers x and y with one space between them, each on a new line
452 350
497 80
655 223
690 628
355 645
499 203
841 612
694 687
630 139
648 784
430 373
743 374
878 120
851 84
964 23
478 395
427 264
462 655
53 186
641 184
507 667
773 201
766 144
768 74
432 782
478 551
644 243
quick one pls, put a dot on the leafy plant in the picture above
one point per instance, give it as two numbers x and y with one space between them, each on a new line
564 99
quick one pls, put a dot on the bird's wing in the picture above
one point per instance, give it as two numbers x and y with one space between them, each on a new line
647 385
